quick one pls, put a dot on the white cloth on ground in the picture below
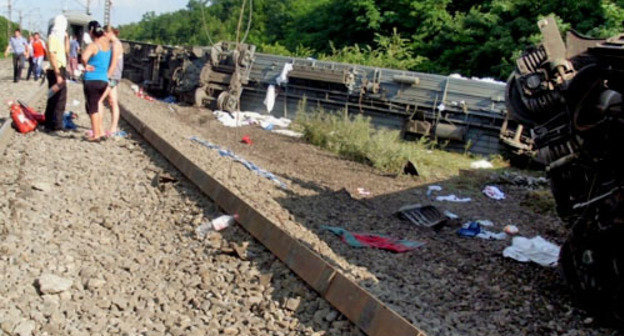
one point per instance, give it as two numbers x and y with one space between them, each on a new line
494 193
238 119
481 164
536 249
453 198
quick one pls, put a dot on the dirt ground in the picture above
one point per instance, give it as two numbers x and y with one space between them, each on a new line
91 243
451 286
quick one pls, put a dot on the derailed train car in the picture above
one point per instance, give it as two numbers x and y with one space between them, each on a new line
572 96
464 114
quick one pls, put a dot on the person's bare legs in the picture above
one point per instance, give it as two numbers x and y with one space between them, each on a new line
96 118
114 105
96 125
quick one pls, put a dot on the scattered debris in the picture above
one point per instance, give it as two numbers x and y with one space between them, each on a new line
433 188
494 193
481 164
240 119
289 133
247 140
141 94
226 153
427 216
267 125
536 249
450 215
470 229
410 169
216 224
511 230
522 180
363 192
372 240
485 222
75 102
52 284
485 234
473 229
453 198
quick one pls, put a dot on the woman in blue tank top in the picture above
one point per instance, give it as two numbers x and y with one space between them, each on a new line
96 59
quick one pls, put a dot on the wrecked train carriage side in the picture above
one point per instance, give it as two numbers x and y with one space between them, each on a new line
464 114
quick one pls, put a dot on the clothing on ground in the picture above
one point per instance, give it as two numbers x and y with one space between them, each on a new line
57 47
94 90
372 240
55 107
536 249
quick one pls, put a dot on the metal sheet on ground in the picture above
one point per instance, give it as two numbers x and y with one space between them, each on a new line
357 304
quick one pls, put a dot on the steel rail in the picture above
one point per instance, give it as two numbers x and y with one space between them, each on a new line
366 311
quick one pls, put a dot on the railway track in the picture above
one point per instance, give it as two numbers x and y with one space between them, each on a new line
357 304
369 314
444 289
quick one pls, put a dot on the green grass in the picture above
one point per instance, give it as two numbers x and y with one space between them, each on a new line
355 138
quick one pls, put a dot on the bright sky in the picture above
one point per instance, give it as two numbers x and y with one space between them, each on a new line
37 13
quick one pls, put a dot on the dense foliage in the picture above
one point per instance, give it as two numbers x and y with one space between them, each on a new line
4 35
475 38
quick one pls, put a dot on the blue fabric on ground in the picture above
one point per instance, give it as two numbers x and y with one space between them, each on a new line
472 230
247 164
68 122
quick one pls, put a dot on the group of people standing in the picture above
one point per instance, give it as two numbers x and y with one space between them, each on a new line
33 50
103 65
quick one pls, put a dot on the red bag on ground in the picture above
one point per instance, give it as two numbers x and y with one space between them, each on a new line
31 113
22 123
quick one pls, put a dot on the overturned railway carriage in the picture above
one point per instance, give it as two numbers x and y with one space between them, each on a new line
464 114
571 94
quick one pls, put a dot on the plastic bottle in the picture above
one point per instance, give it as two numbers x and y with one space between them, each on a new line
216 224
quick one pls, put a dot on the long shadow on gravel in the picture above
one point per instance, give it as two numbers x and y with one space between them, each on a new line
453 285
282 287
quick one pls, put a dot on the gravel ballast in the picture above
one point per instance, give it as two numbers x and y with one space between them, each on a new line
91 243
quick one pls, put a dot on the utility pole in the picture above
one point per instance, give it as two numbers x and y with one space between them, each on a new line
9 22
88 7
107 10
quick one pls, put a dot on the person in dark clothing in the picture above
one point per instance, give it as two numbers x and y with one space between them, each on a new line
19 47
31 60
58 47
